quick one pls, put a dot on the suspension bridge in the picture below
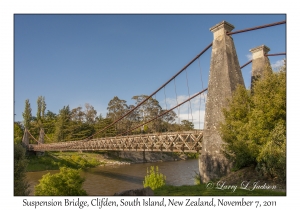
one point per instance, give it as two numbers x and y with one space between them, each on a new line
225 75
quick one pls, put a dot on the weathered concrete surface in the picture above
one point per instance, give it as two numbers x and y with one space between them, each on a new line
25 139
259 62
224 76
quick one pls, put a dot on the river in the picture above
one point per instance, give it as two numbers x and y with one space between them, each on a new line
107 180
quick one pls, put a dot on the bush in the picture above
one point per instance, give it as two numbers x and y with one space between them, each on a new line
254 128
272 158
154 179
67 182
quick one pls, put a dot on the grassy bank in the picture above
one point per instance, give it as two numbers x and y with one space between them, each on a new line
54 160
202 190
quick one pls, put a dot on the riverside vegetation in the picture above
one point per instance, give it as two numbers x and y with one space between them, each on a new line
55 160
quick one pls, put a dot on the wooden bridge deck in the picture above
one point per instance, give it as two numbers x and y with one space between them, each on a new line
187 141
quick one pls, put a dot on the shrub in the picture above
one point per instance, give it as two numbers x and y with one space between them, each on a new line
154 179
67 182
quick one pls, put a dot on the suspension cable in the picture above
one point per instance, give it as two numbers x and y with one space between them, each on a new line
275 54
257 27
32 136
246 64
178 109
200 95
165 98
187 83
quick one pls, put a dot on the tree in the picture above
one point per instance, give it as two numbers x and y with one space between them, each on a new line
147 111
77 114
67 182
187 125
234 131
49 125
20 163
62 124
39 108
168 120
254 128
116 109
43 109
27 116
102 123
18 133
82 122
90 114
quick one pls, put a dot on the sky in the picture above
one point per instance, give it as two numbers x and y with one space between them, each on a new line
77 59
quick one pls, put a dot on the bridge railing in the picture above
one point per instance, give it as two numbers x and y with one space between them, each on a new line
186 141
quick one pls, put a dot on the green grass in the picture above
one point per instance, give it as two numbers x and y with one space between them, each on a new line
201 190
55 160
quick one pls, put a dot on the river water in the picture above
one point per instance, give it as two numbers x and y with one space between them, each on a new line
107 180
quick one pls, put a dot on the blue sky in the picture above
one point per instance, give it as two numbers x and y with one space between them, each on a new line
77 59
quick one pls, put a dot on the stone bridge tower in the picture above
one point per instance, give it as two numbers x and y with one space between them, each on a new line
225 74
259 62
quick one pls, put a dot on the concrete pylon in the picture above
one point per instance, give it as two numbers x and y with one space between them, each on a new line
41 136
225 74
259 62
25 139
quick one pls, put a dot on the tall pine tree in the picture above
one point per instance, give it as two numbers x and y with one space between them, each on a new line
27 116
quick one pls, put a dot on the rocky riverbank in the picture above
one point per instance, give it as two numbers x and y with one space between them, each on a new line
124 157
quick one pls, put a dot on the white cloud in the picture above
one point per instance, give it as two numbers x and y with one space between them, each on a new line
277 65
249 56
190 110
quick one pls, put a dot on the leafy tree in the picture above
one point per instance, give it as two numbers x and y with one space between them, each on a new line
67 182
18 133
240 148
43 109
49 123
77 114
20 163
90 114
154 179
132 118
147 111
27 116
102 123
82 122
62 124
268 122
39 107
254 128
187 125
116 109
